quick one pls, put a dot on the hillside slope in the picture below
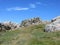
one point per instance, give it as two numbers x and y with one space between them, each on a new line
31 35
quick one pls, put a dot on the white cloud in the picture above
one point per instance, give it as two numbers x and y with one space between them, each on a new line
38 3
17 9
32 6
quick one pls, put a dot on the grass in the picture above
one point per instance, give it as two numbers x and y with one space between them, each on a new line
32 35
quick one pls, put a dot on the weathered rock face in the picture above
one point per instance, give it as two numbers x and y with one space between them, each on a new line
54 25
10 24
7 26
56 18
29 22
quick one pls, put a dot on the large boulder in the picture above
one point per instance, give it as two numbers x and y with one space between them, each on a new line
54 25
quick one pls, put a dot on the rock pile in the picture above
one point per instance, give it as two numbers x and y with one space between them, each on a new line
7 26
54 25
33 21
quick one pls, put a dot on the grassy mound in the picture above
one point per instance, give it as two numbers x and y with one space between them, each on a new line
32 35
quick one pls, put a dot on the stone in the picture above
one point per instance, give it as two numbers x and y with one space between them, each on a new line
8 25
33 21
54 25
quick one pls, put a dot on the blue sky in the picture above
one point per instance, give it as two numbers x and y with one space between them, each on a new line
18 10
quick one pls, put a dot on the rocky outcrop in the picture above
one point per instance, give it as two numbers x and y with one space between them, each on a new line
51 26
33 21
54 25
8 26
56 18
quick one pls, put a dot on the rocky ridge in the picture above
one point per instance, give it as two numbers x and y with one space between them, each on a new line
50 26
8 25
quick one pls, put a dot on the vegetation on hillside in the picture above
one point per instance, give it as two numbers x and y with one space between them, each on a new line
31 35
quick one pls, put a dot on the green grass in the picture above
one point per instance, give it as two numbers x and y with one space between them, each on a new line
32 35
8 36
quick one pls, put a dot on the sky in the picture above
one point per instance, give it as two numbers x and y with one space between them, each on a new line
18 10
